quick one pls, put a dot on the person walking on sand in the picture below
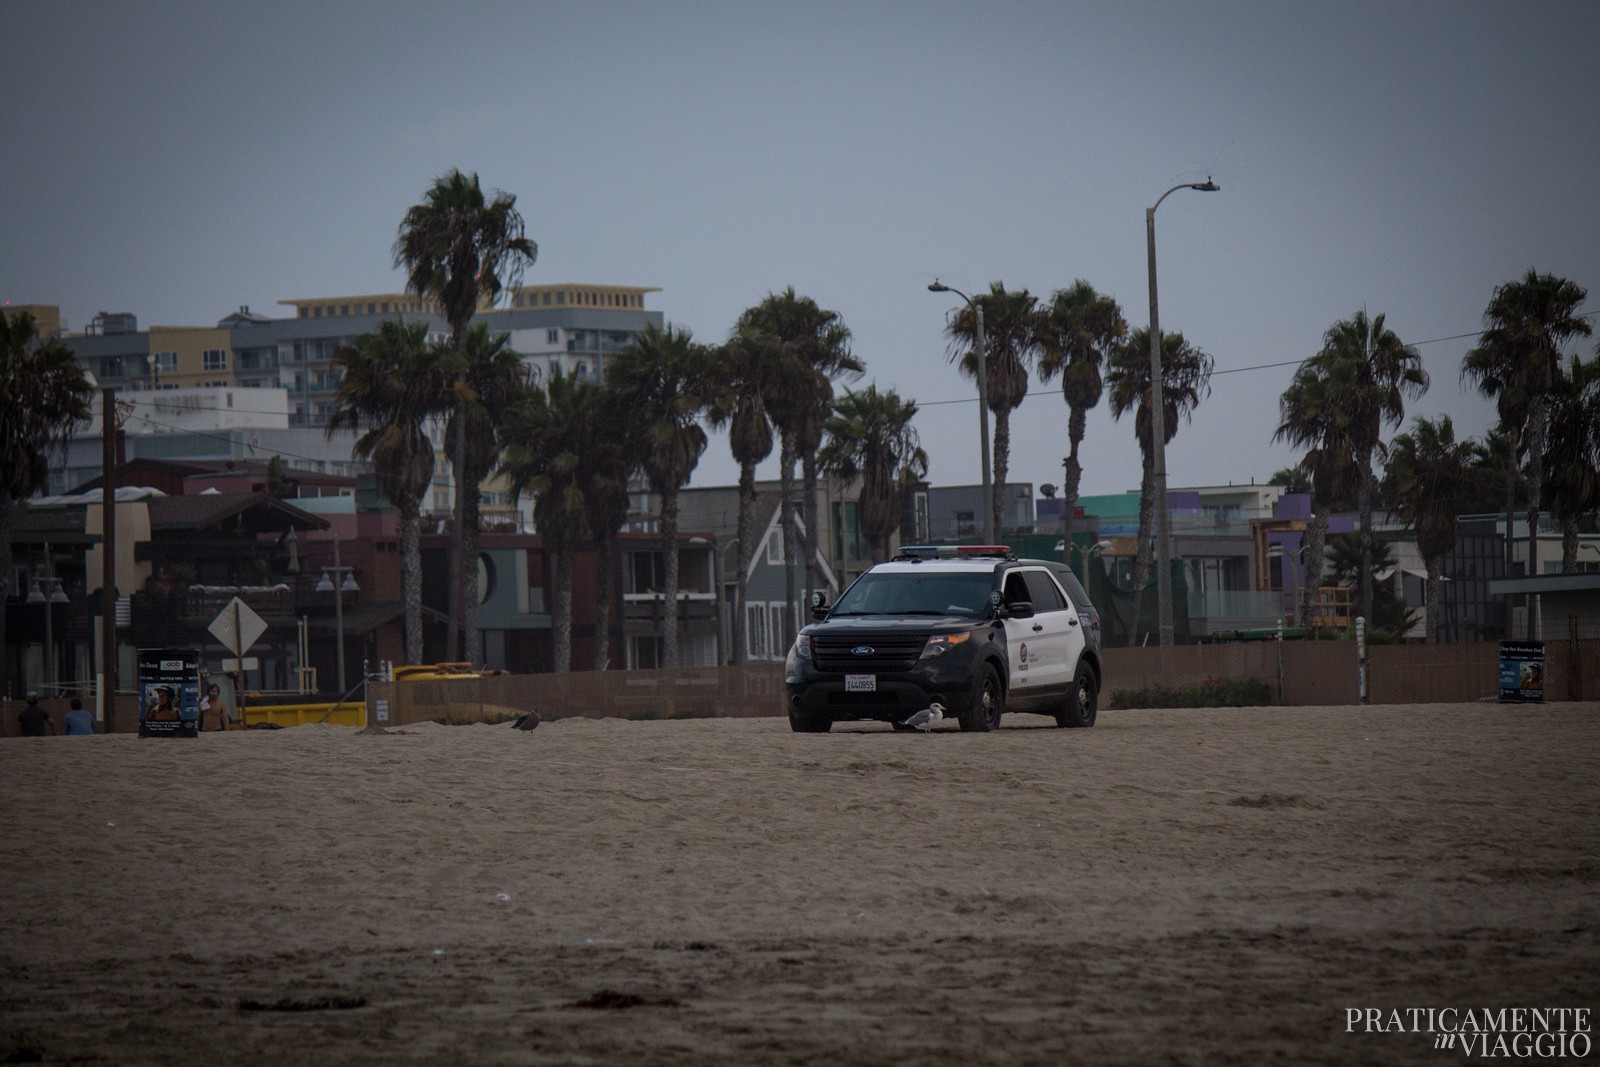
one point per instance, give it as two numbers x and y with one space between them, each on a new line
34 721
214 711
78 722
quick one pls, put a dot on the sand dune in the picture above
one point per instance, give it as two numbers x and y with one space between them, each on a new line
1171 886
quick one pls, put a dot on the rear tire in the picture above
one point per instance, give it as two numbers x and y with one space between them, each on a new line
807 724
1083 700
988 702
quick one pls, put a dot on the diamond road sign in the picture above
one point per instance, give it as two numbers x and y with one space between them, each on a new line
237 626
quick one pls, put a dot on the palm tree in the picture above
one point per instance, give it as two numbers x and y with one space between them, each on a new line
390 385
666 381
607 466
1572 458
1517 362
1429 471
1314 417
870 434
45 395
813 346
1186 380
1011 336
488 378
750 365
548 434
1077 332
1375 371
461 249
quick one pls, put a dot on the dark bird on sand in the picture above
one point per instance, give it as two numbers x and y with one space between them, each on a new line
528 721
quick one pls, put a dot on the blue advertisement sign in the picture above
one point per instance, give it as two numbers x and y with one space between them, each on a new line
1522 671
169 692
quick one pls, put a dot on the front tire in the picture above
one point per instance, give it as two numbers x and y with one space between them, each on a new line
988 702
806 724
1083 700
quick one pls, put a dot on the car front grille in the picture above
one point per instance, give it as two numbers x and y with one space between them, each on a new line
883 653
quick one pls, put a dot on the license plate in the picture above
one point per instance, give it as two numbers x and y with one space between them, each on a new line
861 683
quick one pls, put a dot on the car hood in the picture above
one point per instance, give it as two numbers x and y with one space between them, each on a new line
894 624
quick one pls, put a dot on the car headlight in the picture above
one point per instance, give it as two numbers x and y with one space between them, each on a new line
802 646
939 644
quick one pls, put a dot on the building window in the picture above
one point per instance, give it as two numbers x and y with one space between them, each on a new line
756 636
214 359
965 524
552 336
775 549
166 362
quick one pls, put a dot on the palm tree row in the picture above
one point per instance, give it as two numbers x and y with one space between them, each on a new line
1547 443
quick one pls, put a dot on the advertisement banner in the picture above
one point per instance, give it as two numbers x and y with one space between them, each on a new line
1522 671
169 692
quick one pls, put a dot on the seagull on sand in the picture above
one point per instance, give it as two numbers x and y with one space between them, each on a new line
528 721
925 719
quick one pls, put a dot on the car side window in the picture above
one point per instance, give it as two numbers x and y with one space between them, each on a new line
1044 593
1017 590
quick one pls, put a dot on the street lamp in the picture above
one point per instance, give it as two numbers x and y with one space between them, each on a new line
346 578
983 406
1158 424
36 595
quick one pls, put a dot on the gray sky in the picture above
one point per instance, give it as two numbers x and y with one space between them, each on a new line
177 160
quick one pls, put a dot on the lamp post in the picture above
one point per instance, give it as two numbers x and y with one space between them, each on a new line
983 406
338 580
54 596
1158 424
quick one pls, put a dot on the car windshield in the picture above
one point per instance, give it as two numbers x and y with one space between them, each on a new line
911 593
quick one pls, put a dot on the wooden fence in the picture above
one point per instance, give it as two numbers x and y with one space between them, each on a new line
1313 672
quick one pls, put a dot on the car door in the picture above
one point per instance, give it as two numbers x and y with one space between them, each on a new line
1057 632
1034 645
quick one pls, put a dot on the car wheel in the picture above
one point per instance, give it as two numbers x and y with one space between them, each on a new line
806 724
1083 700
988 702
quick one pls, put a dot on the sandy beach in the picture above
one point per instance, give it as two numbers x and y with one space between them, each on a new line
1186 887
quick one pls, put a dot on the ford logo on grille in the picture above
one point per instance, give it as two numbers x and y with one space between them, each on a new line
862 650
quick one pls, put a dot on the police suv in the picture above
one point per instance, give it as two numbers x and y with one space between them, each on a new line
972 627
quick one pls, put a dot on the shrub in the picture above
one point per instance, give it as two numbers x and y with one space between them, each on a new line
1210 692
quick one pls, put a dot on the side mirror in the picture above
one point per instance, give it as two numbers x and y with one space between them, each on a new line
819 605
1020 609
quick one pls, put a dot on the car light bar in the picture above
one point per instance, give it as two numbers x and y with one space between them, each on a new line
953 551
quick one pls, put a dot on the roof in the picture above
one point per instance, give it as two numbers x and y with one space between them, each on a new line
56 526
1571 582
198 512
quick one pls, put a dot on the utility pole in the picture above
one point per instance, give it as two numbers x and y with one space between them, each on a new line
106 689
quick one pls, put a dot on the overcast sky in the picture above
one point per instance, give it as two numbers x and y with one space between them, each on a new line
177 160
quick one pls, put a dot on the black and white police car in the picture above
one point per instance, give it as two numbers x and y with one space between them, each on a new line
972 627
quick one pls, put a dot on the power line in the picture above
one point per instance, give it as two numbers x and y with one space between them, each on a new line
1241 370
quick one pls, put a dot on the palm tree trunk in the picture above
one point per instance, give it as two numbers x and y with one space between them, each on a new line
1364 503
808 474
411 581
563 611
471 513
669 533
1315 548
5 583
606 551
1569 544
1430 610
1536 417
1002 458
747 522
786 520
1072 476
